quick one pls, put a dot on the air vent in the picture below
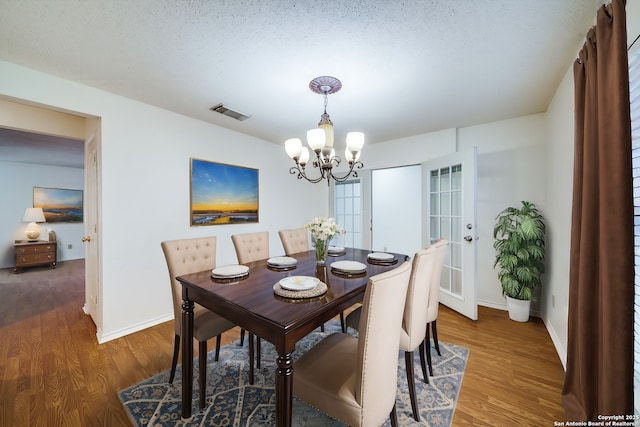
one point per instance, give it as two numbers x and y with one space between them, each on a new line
223 109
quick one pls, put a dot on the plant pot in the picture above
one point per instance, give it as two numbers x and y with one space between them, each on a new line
518 309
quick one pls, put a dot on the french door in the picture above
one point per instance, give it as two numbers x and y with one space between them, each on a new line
449 212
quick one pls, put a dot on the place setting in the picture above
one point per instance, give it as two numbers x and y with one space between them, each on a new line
336 250
299 287
381 258
349 268
230 273
282 263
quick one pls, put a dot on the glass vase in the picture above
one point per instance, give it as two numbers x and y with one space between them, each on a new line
322 247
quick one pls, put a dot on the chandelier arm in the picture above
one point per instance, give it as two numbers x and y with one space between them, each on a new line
301 174
352 173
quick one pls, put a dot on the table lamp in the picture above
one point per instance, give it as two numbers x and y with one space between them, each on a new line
33 216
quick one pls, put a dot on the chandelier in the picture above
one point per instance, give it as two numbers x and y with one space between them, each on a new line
320 141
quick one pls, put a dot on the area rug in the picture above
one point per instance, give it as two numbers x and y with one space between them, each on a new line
232 402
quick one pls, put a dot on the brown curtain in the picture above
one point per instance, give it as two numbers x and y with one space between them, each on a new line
599 376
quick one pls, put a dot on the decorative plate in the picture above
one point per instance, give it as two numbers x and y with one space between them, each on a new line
349 266
230 271
299 283
380 256
282 261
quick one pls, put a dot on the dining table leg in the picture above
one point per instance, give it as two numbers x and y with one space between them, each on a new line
284 389
187 357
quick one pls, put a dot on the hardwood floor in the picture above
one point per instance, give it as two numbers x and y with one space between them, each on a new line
54 373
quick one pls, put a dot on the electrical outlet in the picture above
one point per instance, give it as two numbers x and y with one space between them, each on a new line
69 246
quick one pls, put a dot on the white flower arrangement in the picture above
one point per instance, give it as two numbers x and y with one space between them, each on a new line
323 228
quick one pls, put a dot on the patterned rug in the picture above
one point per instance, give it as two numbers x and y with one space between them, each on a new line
231 401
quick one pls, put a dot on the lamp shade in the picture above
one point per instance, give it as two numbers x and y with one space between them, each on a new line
316 139
33 215
304 156
355 141
293 146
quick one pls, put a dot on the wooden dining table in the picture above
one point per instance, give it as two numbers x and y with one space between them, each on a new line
252 304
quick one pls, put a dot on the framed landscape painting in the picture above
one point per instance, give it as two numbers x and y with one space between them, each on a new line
59 204
222 194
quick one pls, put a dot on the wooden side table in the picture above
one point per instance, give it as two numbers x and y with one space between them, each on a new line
31 254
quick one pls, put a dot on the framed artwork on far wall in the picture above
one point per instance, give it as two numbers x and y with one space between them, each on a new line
222 193
59 204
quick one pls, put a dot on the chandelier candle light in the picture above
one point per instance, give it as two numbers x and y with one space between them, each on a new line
322 231
320 141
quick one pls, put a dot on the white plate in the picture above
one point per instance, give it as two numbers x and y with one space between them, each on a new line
380 256
283 261
299 283
335 249
349 266
232 270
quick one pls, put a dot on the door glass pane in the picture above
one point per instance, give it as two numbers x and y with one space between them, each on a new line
435 204
456 177
435 229
456 229
435 181
445 228
445 178
456 255
456 281
456 203
445 278
445 203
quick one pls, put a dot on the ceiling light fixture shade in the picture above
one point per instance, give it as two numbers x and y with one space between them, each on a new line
321 141
33 216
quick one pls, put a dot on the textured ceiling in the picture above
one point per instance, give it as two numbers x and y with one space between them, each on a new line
407 67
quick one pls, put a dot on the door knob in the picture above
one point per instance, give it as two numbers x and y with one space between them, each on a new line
86 239
468 238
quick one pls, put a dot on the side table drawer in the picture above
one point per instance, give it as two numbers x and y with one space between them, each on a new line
37 258
23 250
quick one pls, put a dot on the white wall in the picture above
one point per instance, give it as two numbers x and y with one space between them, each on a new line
17 191
144 168
511 168
555 303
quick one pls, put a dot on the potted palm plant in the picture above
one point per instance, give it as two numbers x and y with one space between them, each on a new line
519 243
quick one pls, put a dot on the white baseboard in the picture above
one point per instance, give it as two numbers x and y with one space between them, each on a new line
103 338
562 352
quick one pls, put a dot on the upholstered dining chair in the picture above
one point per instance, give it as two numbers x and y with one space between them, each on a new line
251 247
190 256
294 240
354 379
441 246
412 333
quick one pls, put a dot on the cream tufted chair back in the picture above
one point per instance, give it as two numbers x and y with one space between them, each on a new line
251 246
355 379
294 240
415 313
184 257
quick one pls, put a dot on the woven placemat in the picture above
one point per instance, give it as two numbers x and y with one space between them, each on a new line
320 289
